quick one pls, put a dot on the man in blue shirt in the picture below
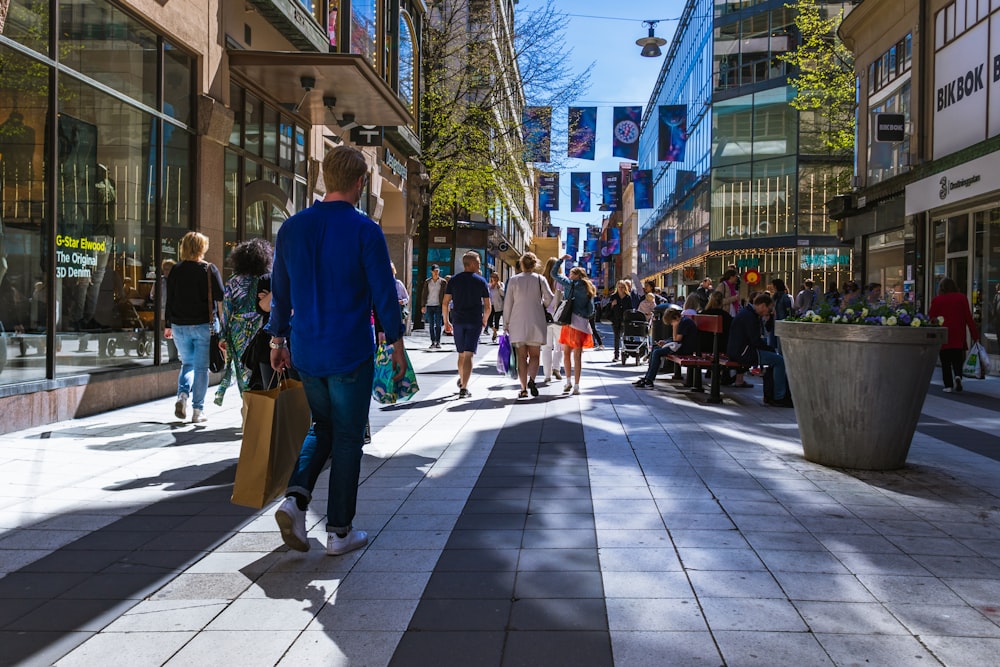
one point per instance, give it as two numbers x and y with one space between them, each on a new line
747 346
331 265
470 295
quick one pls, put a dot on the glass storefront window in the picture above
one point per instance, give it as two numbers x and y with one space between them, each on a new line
27 23
177 71
270 134
101 41
773 201
818 183
253 113
985 296
885 257
407 61
105 234
774 130
364 29
732 130
24 217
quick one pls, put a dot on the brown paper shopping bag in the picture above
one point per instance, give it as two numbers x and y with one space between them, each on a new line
274 427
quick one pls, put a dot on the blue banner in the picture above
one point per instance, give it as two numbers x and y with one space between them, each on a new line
553 232
642 180
536 131
673 133
626 132
582 133
614 242
579 191
593 232
572 241
548 192
612 191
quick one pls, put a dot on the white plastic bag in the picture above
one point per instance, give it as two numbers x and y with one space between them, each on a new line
977 363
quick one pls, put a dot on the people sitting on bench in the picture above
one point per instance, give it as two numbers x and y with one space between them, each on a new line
685 341
715 307
747 346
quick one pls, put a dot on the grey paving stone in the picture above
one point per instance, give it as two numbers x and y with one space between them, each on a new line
947 621
646 585
490 522
558 614
761 614
868 649
719 559
40 584
655 615
470 585
477 560
230 647
718 539
204 586
906 589
976 591
748 584
550 584
823 586
849 618
61 615
964 650
559 521
461 615
865 544
558 560
681 521
766 649
882 564
127 649
168 616
638 560
333 648
39 647
648 649
971 567
484 539
526 649
801 561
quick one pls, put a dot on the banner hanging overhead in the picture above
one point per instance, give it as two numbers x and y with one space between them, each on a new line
572 241
614 242
554 232
642 180
626 132
582 126
579 191
548 192
593 232
536 131
611 189
672 133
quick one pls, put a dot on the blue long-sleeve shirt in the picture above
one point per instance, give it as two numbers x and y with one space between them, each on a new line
331 266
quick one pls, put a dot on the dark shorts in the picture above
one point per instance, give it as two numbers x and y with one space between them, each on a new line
467 337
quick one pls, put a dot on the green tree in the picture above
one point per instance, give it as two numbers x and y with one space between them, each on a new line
477 78
823 75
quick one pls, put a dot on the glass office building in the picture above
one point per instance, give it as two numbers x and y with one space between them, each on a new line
753 185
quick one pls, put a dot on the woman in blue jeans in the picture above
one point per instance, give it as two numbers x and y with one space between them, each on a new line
194 296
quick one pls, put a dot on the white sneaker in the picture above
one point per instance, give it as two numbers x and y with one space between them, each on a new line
568 387
547 380
576 390
292 523
948 390
180 407
198 416
555 374
337 546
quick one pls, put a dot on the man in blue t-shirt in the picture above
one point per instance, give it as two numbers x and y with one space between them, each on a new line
469 295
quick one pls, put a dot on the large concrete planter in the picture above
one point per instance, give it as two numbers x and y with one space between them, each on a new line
858 389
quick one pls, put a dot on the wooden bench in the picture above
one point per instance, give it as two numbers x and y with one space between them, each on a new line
716 361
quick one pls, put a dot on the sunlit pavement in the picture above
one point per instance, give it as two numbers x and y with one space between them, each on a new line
624 526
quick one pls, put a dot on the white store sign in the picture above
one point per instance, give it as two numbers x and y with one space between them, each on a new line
963 82
976 177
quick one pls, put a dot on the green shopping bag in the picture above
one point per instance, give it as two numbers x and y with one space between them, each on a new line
385 390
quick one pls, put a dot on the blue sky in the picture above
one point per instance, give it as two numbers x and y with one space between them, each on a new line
620 76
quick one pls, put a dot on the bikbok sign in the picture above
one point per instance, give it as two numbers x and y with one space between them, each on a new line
967 89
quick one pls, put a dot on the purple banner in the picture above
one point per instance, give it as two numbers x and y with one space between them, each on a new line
548 192
582 132
642 180
579 191
673 133
536 131
612 191
572 241
626 132
614 242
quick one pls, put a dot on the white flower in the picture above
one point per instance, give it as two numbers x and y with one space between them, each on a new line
882 319
834 319
849 311
890 321
864 312
809 314
940 320
901 312
915 322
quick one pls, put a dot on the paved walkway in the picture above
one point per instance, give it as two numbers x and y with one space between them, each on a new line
621 526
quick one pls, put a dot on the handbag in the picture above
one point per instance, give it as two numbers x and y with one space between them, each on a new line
504 354
216 355
548 315
385 389
564 314
276 423
976 363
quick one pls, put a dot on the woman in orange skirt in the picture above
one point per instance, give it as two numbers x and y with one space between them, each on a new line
576 336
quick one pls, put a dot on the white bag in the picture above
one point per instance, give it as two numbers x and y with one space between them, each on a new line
977 363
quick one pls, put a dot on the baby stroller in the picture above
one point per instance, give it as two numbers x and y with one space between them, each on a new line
635 336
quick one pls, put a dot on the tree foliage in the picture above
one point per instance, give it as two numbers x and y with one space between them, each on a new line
824 73
477 78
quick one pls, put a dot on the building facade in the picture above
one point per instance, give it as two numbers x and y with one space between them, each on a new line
927 203
126 124
751 188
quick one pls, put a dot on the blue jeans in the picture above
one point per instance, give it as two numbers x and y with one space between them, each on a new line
339 405
777 362
192 348
435 321
655 358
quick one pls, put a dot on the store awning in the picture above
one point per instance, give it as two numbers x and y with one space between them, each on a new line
345 76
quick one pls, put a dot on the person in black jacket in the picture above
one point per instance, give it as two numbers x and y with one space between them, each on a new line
619 302
748 347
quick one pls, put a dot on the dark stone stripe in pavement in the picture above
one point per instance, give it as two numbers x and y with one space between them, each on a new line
961 436
519 581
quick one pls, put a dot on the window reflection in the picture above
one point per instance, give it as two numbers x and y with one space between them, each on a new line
406 62
364 33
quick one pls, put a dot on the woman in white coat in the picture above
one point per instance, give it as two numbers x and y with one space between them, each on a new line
552 350
527 296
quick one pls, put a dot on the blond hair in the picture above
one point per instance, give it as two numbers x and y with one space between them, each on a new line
582 276
342 167
529 261
194 245
470 258
549 263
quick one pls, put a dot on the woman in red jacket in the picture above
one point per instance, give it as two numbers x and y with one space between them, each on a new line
954 307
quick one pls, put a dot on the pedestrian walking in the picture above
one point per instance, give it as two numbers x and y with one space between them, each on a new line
251 263
805 300
430 297
497 294
466 306
402 296
194 297
331 265
528 297
575 337
552 350
619 302
953 306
